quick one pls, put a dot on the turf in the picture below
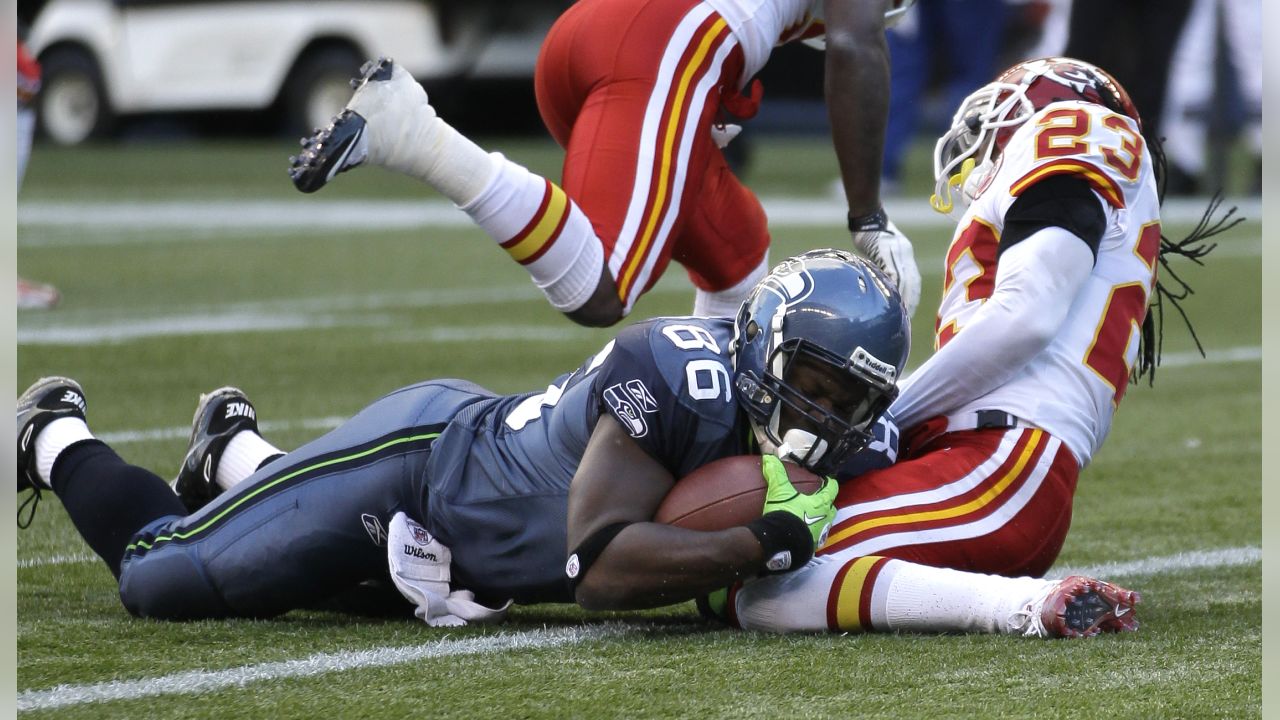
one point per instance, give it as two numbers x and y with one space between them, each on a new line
346 316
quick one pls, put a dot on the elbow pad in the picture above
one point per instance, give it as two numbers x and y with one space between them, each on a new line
588 551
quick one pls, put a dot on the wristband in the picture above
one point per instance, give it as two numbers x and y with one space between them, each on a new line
871 222
785 538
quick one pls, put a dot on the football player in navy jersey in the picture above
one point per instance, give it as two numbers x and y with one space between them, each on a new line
469 500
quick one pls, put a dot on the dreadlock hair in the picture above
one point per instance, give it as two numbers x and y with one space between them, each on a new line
1169 287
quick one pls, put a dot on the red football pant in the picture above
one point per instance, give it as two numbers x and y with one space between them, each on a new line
988 501
631 90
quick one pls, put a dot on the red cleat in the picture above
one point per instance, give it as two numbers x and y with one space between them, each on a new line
1078 606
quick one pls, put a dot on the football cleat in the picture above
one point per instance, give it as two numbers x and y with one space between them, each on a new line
1078 606
220 415
388 104
337 148
49 399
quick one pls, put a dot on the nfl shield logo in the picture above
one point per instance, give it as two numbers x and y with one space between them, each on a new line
420 534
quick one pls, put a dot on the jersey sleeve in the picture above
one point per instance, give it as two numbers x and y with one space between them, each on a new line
669 383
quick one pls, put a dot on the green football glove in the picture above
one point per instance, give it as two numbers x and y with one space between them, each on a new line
818 511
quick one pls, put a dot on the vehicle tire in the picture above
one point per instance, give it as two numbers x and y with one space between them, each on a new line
72 106
318 88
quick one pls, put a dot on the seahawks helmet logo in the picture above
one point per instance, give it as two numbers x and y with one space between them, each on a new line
790 282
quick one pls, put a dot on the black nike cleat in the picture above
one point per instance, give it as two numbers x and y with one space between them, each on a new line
49 399
220 415
344 144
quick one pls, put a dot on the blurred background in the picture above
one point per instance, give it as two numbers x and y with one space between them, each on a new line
139 70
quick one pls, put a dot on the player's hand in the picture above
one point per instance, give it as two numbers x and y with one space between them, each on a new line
420 570
817 511
877 238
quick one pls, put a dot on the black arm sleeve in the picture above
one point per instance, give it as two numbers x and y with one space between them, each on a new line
1064 201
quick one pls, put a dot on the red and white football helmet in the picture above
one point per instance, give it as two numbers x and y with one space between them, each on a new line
985 121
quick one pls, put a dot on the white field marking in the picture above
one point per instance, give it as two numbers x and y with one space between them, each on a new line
369 215
122 437
56 560
198 681
175 432
1212 357
1225 557
121 332
201 681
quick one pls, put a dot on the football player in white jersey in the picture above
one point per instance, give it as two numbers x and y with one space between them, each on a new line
642 95
1043 322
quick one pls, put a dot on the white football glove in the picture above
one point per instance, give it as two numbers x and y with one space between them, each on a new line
879 240
420 569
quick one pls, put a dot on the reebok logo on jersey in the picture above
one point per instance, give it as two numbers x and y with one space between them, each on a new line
625 410
374 527
642 396
239 409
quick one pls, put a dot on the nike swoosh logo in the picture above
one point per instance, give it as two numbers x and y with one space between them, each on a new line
1121 611
813 520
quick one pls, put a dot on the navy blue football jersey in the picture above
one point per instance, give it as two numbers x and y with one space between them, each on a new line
498 478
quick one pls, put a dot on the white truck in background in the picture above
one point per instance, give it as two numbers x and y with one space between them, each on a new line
102 59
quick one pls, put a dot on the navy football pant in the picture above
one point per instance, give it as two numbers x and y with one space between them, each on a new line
303 527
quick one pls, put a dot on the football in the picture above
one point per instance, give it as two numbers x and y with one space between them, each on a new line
725 493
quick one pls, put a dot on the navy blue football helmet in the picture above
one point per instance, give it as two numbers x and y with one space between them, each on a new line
831 314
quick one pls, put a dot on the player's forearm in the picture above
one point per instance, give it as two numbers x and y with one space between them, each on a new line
650 565
1037 283
857 95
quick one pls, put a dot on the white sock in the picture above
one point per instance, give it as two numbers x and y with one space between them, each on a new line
445 159
536 223
53 439
920 598
725 303
406 135
243 455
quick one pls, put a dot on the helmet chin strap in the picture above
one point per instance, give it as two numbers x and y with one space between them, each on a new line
801 446
796 445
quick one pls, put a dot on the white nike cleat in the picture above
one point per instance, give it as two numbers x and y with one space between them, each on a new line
386 117
1077 606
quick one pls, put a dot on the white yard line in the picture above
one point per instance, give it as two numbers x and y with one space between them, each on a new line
24 563
1225 557
373 215
1212 357
198 681
122 437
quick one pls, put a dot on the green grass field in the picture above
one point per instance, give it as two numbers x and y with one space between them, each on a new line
188 267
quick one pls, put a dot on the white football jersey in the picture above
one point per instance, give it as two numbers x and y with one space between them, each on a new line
760 25
1075 384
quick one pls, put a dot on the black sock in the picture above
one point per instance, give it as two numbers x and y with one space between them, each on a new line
108 499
